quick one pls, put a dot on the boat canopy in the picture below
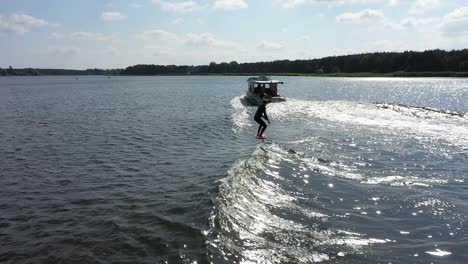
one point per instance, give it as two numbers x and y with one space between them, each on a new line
265 82
262 80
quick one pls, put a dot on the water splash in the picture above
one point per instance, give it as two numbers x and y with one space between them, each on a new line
240 118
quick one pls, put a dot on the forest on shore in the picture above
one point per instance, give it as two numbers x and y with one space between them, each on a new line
10 71
408 63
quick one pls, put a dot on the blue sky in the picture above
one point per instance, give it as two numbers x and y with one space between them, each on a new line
119 33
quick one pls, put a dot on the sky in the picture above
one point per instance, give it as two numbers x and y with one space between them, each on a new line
119 33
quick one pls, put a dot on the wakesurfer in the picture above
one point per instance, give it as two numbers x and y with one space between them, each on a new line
261 113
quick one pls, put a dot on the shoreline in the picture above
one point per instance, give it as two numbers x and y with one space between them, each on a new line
340 74
392 74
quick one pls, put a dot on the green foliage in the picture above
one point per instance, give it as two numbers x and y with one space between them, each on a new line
380 63
405 64
35 72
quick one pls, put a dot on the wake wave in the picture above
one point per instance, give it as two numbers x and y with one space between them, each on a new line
272 209
419 111
424 124
351 172
256 219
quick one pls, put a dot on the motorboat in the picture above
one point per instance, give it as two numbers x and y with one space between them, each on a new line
263 88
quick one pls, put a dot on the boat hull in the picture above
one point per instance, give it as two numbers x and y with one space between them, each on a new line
256 100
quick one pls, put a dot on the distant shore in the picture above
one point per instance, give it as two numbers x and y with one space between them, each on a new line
400 74
392 74
429 63
338 74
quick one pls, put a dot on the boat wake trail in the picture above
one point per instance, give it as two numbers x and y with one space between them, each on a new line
256 219
423 124
340 170
417 122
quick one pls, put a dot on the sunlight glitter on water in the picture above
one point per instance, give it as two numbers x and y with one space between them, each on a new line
439 253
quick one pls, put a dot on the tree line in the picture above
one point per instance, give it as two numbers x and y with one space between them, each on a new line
10 71
408 63
380 62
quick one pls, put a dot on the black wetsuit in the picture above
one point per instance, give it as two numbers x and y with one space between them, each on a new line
261 112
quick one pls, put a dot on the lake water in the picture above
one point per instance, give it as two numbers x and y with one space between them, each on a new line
168 170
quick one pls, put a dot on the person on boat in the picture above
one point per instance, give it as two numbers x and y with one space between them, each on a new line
261 112
259 90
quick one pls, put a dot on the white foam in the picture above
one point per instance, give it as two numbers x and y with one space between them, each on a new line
240 118
439 253
332 169
355 241
403 181
434 125
348 172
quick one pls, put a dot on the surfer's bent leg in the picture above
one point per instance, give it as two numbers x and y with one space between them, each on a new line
261 127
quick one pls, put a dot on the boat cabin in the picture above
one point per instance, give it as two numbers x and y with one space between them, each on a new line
263 85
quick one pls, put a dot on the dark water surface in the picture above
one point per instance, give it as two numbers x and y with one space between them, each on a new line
167 169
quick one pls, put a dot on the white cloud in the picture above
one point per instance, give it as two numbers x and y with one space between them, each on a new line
83 35
93 36
200 39
191 48
208 40
230 4
162 38
178 7
177 21
20 23
412 22
163 54
422 6
455 23
364 16
135 5
63 51
158 35
371 17
55 35
295 3
112 16
112 51
269 46
385 45
446 32
292 3
376 17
